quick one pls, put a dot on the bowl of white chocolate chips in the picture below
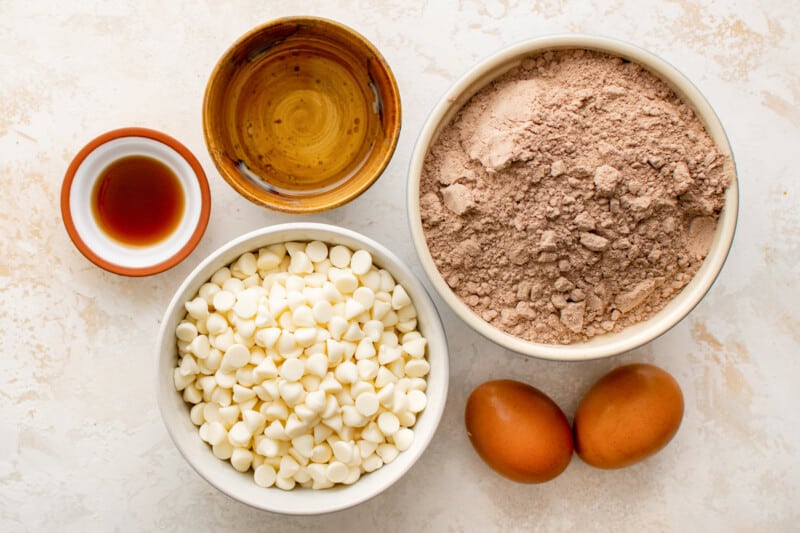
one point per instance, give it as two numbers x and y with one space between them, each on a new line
302 368
572 197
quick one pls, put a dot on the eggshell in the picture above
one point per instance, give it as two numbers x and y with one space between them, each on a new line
628 415
518 430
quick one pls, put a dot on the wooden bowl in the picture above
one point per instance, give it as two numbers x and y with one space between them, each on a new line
301 115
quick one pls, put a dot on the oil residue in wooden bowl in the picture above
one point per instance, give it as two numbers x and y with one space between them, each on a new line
304 119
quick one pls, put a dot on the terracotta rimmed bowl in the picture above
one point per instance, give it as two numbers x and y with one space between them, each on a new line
610 343
301 115
238 485
85 230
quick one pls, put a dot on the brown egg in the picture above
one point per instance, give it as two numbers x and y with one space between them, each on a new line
518 430
629 414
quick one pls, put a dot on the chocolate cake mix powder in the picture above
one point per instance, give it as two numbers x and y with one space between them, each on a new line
573 196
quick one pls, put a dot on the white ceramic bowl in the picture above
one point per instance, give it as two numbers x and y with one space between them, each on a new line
78 187
241 486
633 336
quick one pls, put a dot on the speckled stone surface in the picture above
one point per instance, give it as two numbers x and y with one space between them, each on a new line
82 446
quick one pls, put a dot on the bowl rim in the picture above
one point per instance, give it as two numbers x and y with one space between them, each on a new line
682 304
299 207
97 258
327 233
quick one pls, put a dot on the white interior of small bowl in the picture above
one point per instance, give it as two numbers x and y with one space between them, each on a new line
80 202
241 486
632 336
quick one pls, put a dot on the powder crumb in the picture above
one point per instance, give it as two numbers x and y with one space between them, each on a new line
548 241
572 316
630 300
594 242
571 197
605 180
558 168
457 198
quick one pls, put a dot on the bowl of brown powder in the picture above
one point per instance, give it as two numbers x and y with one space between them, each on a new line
572 197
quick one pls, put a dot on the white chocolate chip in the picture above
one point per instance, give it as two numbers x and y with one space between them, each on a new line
288 468
215 433
365 349
247 303
291 392
361 262
372 463
239 435
222 450
388 423
346 372
387 452
367 369
207 292
407 419
229 414
292 369
322 311
352 309
192 395
304 444
197 308
403 439
285 483
224 300
417 400
367 404
275 431
417 368
254 421
294 426
343 279
400 297
389 354
337 327
236 356
316 401
300 263
186 331
196 414
317 251
266 369
305 337
337 472
415 347
265 476
340 256
305 414
384 377
216 324
317 364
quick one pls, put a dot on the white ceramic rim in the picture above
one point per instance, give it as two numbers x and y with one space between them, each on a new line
631 337
241 486
80 202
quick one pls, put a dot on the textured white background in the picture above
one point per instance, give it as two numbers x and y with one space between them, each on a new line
82 446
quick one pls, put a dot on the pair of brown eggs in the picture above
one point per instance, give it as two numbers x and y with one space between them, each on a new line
629 414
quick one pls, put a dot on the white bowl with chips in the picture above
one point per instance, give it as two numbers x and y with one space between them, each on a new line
241 486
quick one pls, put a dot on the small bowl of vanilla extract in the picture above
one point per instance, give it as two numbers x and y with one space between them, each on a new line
301 114
135 201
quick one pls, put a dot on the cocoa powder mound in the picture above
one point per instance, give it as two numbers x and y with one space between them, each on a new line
573 196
